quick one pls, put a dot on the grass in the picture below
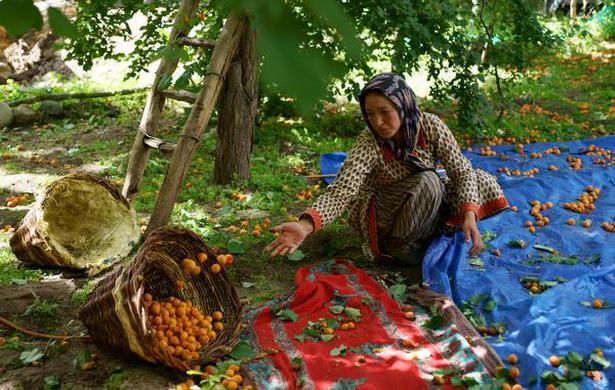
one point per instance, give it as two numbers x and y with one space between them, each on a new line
41 308
80 295
10 272
116 380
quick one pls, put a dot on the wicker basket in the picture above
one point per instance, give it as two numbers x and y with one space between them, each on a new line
81 221
115 314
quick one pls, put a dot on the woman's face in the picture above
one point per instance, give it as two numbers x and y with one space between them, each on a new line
382 115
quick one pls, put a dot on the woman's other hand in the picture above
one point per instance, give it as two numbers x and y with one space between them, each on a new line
471 232
291 235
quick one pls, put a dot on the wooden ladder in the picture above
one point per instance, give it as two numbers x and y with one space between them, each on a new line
202 108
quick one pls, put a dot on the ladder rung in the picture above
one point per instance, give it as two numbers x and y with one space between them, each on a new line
196 42
165 147
184 96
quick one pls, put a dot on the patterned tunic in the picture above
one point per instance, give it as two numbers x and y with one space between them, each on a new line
369 167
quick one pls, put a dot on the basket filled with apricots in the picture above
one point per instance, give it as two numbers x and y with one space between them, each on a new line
172 304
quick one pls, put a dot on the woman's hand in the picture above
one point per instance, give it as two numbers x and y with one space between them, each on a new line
471 232
291 235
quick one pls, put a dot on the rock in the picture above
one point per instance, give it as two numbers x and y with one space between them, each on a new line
51 108
5 70
23 115
6 115
286 148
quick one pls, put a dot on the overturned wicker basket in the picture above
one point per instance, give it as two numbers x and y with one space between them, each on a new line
115 314
81 221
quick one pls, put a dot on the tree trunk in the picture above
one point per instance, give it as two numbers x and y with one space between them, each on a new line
573 9
237 113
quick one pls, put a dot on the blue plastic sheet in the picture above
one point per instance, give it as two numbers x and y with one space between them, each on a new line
330 164
553 322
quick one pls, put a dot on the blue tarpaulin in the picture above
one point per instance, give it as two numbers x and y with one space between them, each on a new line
556 321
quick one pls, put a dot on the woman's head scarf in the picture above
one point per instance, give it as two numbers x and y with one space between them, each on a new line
393 87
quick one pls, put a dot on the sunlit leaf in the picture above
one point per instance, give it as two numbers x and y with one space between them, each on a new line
19 16
30 356
60 24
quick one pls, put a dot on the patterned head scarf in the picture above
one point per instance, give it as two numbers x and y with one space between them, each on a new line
392 86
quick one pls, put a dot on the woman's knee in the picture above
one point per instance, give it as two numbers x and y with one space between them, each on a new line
431 186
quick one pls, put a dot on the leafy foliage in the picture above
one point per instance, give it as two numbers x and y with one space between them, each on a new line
323 41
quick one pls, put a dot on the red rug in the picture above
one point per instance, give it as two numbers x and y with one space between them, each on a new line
318 348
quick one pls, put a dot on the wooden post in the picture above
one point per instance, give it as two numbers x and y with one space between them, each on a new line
139 153
197 121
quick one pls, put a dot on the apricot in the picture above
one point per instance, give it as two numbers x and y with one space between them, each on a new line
554 361
513 372
216 268
216 315
597 303
571 221
512 358
202 257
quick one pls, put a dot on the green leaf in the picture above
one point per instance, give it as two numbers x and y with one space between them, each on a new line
489 305
308 331
337 309
60 24
574 358
183 81
488 235
247 284
434 322
300 337
567 386
552 377
339 351
517 244
287 315
366 301
235 246
592 260
51 382
398 292
296 362
30 356
332 323
326 337
353 313
19 16
456 382
82 357
242 350
574 374
477 298
594 357
296 255
475 261
19 282
165 81
545 248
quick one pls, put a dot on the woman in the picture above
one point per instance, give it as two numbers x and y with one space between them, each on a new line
389 185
